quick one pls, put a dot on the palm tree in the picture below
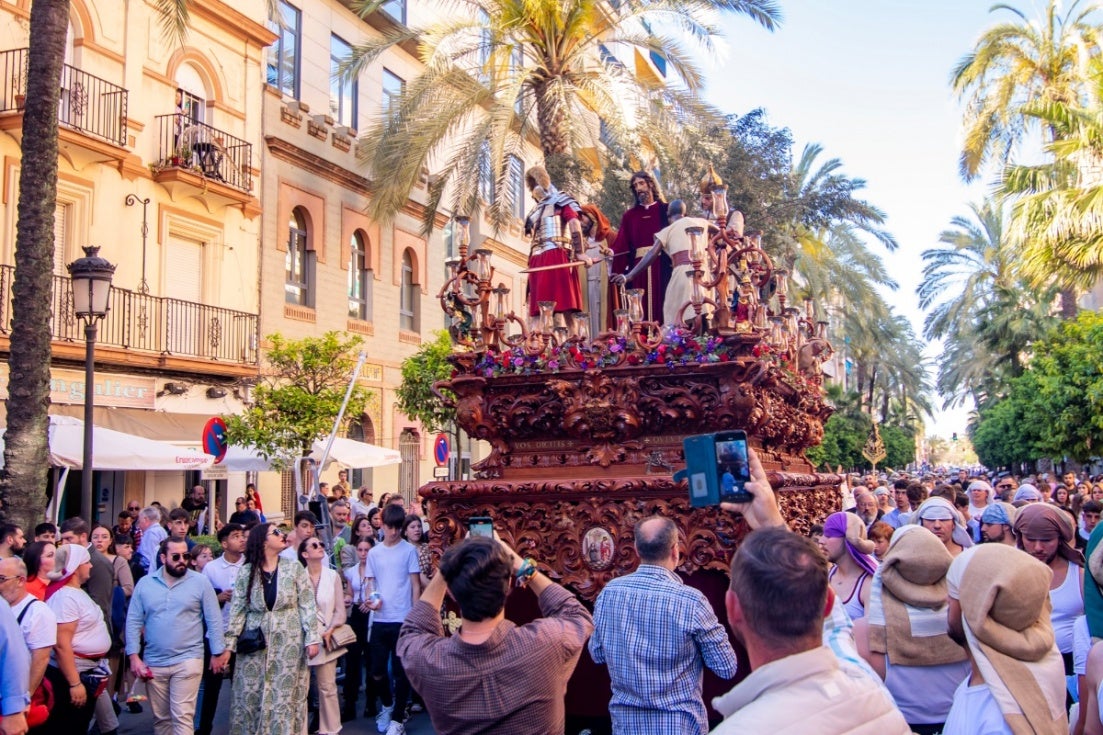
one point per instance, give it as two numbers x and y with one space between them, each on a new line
26 467
503 71
1057 217
1018 63
818 197
977 303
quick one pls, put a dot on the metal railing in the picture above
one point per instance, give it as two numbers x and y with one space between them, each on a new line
217 155
88 104
149 323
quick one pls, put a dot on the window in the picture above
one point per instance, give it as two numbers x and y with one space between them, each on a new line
486 174
298 263
283 55
484 46
342 91
392 90
360 279
63 215
396 9
408 298
516 68
517 186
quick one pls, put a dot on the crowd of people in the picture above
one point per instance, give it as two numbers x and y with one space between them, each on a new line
973 612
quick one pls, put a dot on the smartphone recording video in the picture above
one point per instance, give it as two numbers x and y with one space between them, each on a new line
480 526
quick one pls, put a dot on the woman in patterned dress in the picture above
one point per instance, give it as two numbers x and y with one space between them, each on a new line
274 594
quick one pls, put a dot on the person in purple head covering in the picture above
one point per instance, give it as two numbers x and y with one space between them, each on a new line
847 547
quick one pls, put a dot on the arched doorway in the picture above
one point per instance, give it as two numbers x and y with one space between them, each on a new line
362 430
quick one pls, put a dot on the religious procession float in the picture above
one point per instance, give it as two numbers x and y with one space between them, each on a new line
585 429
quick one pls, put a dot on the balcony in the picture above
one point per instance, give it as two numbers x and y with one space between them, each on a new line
167 330
196 159
91 111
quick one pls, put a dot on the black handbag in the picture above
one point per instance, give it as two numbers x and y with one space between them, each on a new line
251 641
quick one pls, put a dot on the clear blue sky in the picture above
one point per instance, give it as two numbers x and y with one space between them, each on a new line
868 79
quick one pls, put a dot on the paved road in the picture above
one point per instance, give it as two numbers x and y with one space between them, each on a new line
142 724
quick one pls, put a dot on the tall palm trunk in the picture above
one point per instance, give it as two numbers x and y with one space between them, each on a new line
23 480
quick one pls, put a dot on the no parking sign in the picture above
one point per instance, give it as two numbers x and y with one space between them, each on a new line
214 438
441 450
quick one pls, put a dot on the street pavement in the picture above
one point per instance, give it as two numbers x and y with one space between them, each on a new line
142 724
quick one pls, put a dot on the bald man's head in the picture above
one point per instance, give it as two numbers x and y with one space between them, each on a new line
655 539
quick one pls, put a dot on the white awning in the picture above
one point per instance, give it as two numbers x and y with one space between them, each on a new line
115 450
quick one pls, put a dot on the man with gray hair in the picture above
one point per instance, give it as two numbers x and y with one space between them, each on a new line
153 533
656 635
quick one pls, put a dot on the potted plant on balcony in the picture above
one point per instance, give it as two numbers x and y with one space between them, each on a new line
19 89
181 158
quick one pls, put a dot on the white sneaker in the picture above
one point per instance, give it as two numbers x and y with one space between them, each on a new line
383 719
396 728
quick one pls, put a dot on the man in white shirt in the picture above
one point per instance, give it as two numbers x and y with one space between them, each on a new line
775 607
222 573
36 620
394 574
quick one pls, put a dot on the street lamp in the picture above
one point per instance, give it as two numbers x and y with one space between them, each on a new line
91 283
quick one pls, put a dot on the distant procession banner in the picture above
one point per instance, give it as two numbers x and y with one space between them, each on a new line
111 389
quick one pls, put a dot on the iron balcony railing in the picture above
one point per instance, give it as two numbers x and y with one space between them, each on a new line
88 104
150 323
217 155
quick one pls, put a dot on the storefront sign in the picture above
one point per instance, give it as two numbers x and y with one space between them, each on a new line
111 389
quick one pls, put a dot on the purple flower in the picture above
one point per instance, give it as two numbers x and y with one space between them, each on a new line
616 347
553 364
518 362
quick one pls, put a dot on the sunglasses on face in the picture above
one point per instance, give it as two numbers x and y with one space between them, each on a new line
239 504
177 556
314 545
133 507
276 532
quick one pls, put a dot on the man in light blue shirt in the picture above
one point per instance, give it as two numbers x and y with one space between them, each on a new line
172 604
656 634
153 533
15 666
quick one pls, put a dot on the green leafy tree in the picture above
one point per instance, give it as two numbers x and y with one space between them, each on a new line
502 71
304 383
419 371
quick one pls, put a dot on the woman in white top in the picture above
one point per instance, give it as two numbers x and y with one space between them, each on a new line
82 641
356 598
330 598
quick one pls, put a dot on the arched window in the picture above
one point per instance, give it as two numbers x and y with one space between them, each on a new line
299 262
409 303
360 278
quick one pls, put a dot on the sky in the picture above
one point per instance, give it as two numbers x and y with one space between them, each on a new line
869 81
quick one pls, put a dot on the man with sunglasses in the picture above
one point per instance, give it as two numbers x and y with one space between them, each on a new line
173 605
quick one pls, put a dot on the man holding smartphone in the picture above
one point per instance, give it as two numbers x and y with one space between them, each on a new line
493 676
776 606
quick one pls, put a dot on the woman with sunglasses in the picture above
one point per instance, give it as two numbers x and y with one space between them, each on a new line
330 598
357 600
273 594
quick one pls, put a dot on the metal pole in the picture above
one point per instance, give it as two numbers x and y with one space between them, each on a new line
327 526
88 511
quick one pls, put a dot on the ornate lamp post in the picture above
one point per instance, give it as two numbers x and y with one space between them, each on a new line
91 283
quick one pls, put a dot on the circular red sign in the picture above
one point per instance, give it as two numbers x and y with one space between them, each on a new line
214 438
441 450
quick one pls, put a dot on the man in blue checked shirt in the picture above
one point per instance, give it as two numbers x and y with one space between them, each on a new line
656 635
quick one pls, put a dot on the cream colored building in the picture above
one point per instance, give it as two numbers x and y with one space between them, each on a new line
324 264
159 165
